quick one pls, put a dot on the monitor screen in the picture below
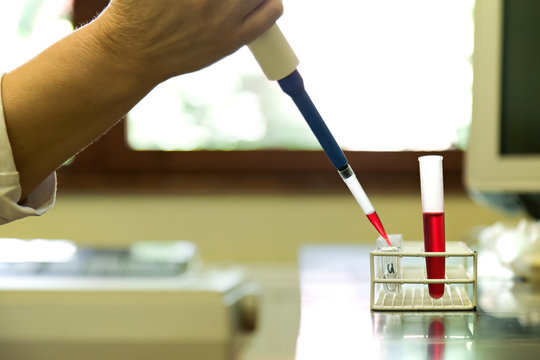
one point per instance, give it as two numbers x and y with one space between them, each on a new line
520 90
502 160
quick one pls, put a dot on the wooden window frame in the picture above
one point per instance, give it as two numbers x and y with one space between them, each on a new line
109 164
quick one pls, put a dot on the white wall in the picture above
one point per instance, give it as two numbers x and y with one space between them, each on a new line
239 227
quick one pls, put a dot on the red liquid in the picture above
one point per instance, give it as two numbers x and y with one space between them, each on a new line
436 339
434 242
375 221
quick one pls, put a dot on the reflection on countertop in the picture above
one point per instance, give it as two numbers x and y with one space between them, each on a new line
336 321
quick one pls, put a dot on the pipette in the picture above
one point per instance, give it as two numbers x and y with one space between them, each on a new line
279 62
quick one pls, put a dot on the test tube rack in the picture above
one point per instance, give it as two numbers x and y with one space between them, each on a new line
460 280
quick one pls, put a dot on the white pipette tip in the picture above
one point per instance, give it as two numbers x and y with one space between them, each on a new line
359 194
356 189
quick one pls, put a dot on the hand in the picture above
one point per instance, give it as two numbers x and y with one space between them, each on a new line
165 38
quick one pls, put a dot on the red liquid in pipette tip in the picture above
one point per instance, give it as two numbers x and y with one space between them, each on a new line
434 242
375 221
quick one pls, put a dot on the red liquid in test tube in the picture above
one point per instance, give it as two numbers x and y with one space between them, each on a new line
431 183
434 242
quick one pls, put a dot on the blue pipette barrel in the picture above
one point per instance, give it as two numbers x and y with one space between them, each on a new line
293 85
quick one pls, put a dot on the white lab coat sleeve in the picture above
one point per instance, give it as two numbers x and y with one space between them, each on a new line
38 202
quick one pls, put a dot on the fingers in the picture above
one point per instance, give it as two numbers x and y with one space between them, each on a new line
260 19
176 37
248 6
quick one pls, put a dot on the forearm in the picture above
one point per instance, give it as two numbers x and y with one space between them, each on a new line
67 96
64 99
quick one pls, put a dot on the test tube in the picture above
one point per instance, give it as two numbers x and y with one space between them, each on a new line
431 186
389 266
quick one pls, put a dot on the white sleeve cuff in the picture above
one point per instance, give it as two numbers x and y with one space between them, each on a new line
36 203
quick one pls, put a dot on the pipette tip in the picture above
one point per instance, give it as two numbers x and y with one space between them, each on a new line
376 222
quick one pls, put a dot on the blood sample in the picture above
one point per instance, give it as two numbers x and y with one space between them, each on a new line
434 242
431 184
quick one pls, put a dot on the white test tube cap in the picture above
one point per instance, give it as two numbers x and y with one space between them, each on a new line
431 183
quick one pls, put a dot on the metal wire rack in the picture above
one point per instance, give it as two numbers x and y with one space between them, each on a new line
460 280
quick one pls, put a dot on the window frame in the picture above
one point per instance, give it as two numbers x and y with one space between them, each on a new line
109 163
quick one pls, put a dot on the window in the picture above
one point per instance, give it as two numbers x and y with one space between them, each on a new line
383 52
29 26
398 78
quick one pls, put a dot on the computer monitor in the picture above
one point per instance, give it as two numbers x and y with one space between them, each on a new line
503 155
